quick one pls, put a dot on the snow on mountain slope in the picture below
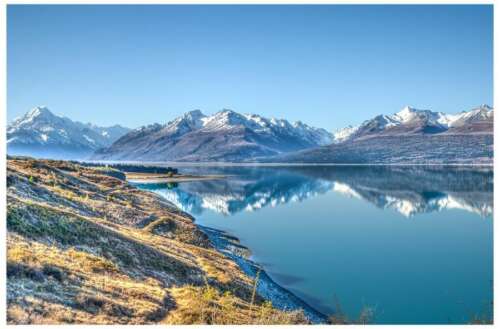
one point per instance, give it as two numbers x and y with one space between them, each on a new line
223 136
228 119
344 133
40 132
410 121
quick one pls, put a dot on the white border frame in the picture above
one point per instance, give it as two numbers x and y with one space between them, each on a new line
3 124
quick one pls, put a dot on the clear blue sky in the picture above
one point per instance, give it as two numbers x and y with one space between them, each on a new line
328 66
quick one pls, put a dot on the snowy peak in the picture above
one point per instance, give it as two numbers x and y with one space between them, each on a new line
478 120
227 119
187 122
482 112
38 112
415 121
410 115
40 129
195 117
343 134
223 136
407 114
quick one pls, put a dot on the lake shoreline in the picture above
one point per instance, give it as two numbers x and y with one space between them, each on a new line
287 164
142 178
292 219
85 246
280 297
230 246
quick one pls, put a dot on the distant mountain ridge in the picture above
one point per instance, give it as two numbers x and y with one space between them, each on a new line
223 136
414 121
43 134
410 136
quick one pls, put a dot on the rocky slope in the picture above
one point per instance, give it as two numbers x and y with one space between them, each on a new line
433 149
410 136
84 246
224 136
43 134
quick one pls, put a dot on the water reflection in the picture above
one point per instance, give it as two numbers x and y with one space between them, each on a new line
407 190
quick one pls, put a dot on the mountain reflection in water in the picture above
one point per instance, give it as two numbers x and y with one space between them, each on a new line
407 190
326 231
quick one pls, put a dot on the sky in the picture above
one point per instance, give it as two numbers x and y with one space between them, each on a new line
328 66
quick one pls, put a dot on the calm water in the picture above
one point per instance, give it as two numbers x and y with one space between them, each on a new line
414 243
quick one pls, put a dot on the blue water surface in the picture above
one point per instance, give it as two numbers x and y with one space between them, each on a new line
409 244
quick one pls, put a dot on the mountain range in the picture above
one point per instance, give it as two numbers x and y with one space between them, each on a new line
43 134
223 136
408 136
413 121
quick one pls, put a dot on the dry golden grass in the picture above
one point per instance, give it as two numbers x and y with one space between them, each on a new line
85 247
87 282
207 305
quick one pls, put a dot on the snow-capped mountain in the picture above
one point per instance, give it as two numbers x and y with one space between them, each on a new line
409 136
223 136
413 121
43 134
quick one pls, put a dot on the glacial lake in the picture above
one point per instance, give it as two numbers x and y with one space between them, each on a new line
415 244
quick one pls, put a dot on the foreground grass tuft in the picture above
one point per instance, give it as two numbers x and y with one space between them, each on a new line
207 305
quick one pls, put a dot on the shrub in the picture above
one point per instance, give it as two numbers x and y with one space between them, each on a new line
53 271
22 270
366 315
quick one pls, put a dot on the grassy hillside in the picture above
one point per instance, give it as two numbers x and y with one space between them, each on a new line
83 246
